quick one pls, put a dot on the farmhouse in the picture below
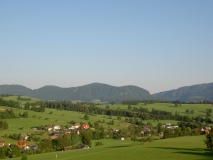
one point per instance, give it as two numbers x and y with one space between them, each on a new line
146 128
21 144
77 125
85 126
49 128
24 136
53 127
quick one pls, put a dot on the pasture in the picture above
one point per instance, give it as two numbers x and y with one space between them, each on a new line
199 109
189 148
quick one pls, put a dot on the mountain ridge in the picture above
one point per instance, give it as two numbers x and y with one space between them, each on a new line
109 93
88 92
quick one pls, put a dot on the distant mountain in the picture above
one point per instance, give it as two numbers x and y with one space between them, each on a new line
189 93
104 92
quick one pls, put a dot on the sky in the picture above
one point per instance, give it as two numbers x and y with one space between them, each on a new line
152 44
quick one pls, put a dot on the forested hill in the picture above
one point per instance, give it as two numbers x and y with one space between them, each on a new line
103 92
189 93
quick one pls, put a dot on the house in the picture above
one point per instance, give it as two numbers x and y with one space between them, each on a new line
85 126
49 128
33 146
21 144
121 138
140 132
26 148
168 125
207 131
1 143
161 134
56 127
173 127
77 125
72 128
146 128
115 130
24 136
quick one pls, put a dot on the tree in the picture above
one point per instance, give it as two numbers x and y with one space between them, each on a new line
187 111
118 117
133 138
209 140
96 125
86 137
192 112
24 157
25 114
129 107
86 117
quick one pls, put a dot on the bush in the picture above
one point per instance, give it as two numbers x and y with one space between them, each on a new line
98 143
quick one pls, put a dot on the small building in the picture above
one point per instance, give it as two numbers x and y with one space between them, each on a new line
56 127
85 126
168 124
77 125
24 136
121 138
146 128
21 144
71 128
49 128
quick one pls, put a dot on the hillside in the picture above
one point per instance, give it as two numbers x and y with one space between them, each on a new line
104 92
189 93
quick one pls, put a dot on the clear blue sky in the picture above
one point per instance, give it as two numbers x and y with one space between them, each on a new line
156 45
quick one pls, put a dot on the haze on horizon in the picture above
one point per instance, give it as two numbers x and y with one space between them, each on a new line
156 45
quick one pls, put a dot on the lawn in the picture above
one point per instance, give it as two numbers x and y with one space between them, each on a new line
189 148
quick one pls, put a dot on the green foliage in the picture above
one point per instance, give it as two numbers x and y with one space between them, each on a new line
24 157
2 153
86 137
86 117
209 140
3 125
98 143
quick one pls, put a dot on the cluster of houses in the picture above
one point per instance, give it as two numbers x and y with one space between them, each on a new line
55 131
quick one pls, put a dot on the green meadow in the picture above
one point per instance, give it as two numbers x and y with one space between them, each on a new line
22 102
189 148
199 109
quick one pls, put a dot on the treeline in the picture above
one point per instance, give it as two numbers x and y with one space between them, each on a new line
3 125
9 103
23 99
135 112
37 106
7 114
136 102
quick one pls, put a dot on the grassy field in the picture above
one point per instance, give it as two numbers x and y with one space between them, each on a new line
175 148
199 109
189 148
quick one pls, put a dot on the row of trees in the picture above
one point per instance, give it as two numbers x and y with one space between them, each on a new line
3 125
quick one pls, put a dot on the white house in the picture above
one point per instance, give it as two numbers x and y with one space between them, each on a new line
56 127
